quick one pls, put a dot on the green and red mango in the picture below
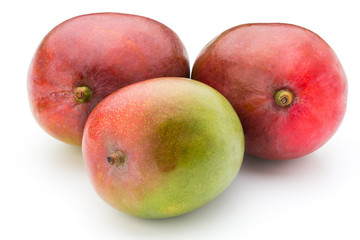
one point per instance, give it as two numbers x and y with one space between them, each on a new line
162 147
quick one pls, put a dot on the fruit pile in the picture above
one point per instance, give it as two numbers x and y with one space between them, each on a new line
158 144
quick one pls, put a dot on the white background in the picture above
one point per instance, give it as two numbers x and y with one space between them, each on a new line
45 190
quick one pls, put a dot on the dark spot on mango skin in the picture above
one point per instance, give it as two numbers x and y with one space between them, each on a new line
51 100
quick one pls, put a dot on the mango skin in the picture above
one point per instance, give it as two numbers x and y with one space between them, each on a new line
183 143
104 52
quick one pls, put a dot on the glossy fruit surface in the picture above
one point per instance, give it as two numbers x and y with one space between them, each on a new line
285 83
86 58
162 147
